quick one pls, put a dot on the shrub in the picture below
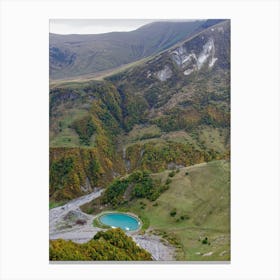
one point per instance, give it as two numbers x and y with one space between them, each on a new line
205 241
185 217
114 193
172 174
81 222
173 212
143 186
84 128
168 181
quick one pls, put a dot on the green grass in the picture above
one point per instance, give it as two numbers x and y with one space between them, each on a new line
53 204
65 136
137 211
143 132
214 138
204 196
97 223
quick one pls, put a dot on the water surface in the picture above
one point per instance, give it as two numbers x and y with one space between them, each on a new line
120 220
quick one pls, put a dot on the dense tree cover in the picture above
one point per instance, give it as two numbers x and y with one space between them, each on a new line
60 171
112 107
191 117
114 192
113 110
76 171
112 245
134 107
145 186
141 185
85 129
149 156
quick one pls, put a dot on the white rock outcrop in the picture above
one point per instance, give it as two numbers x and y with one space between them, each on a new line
164 74
189 61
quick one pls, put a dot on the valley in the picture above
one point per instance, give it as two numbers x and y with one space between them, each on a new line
199 214
150 138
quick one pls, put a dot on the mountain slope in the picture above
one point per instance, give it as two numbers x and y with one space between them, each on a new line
75 55
194 205
171 111
112 245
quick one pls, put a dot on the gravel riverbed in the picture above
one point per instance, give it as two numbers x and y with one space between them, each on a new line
70 223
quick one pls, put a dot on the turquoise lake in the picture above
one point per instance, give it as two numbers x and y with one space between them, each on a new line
120 220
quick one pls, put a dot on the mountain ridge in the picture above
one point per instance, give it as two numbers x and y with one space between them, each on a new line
110 72
100 52
153 139
182 118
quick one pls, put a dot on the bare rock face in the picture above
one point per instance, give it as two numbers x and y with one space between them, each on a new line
164 74
189 61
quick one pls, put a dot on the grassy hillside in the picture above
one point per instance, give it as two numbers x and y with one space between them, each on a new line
201 200
171 110
77 171
74 55
193 213
155 135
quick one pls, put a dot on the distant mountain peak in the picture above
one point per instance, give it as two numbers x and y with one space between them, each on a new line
77 55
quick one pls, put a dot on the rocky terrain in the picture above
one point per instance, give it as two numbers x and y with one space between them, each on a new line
70 223
160 116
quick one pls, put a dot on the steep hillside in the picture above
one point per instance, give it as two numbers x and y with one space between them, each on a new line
192 212
111 245
75 55
171 111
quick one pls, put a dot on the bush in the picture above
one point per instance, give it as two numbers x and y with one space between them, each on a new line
185 217
205 241
81 222
142 184
172 174
84 128
187 173
168 181
114 193
173 212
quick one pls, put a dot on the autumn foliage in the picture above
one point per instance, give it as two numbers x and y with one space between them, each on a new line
111 245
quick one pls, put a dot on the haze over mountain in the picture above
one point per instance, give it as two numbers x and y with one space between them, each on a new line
75 55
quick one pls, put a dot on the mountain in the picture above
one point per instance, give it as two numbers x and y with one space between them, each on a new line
155 136
76 55
172 110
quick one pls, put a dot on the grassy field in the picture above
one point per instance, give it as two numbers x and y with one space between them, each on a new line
65 136
77 81
53 204
201 200
201 138
214 138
